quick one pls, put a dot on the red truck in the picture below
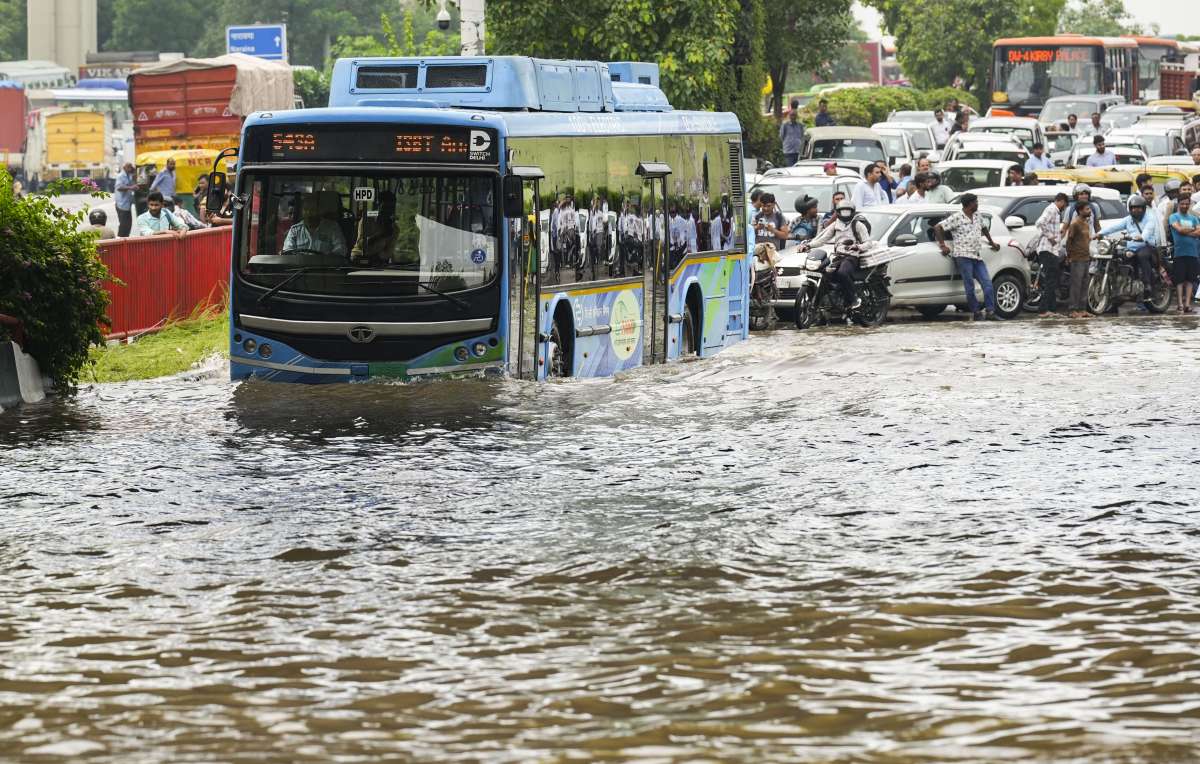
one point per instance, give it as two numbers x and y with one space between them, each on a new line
13 111
195 103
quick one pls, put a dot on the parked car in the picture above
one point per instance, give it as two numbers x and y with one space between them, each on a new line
1059 144
1121 116
1056 109
788 188
970 145
817 166
1021 206
843 143
904 115
919 134
1191 133
1127 154
927 279
969 174
1025 129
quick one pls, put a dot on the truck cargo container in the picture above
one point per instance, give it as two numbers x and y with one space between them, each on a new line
13 110
200 103
68 143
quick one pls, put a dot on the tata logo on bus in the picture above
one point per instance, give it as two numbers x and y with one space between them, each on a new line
360 334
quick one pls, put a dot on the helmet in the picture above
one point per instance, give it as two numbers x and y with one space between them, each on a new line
97 217
1136 200
844 211
805 203
1172 186
1081 188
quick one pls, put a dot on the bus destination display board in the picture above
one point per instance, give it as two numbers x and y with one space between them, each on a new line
423 144
1050 55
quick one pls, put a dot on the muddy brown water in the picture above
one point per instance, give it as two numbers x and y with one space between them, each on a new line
931 542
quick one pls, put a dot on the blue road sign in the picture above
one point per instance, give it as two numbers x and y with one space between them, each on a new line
267 41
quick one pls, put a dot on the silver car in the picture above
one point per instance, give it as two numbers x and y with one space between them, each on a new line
926 279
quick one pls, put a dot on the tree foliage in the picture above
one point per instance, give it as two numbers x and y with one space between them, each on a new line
12 30
802 34
939 41
142 25
51 279
1098 17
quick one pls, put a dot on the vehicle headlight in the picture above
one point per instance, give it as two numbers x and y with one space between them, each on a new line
1104 247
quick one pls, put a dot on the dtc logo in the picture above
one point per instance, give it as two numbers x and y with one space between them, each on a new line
626 324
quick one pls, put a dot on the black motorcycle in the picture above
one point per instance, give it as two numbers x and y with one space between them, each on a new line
819 301
1114 278
1037 285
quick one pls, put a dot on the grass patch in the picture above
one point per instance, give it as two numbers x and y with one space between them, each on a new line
176 348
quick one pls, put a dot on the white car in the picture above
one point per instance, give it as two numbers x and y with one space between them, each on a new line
1127 154
899 148
1154 139
985 146
927 279
788 188
969 174
1025 129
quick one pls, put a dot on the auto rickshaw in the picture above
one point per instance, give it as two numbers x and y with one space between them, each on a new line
1120 179
190 164
1188 107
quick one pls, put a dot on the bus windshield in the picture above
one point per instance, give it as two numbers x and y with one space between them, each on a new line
1032 74
370 233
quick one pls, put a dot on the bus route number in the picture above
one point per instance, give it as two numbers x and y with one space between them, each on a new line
364 194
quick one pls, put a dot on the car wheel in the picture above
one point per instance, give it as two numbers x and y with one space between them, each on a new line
1009 294
931 311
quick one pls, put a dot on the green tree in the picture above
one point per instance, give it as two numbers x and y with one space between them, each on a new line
12 30
1098 17
938 41
802 33
141 25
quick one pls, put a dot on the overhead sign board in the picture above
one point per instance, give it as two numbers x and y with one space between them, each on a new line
267 41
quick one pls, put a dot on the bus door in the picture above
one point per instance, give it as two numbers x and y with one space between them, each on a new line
657 269
523 217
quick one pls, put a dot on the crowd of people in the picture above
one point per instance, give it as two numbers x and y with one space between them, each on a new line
164 214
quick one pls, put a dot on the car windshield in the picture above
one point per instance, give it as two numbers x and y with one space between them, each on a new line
1123 155
1007 156
920 138
1057 111
1116 118
967 178
847 148
1154 145
912 116
786 194
880 221
894 145
370 233
1023 134
1059 141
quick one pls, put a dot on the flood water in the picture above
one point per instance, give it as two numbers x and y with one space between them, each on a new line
931 542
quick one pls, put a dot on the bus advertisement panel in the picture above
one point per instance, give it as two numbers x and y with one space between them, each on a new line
1028 71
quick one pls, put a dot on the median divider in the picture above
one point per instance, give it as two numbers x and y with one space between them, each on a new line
164 277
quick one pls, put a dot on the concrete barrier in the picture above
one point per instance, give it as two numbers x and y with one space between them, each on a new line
20 377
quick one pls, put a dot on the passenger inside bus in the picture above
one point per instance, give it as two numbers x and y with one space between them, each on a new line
316 232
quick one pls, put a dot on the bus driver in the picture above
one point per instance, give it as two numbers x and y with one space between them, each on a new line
316 233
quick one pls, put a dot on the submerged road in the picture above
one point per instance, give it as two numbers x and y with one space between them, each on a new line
937 541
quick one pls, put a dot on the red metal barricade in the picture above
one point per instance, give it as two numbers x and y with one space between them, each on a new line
164 277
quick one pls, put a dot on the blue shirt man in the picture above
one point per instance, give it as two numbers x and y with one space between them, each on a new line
164 183
1141 228
823 118
1186 242
1039 160
1101 157
124 188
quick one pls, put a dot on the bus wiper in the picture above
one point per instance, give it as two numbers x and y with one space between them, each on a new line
297 274
461 303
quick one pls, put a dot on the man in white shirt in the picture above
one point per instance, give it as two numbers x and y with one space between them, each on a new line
941 128
314 233
868 192
1100 157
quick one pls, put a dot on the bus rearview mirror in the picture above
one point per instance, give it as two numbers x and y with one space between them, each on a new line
514 198
217 186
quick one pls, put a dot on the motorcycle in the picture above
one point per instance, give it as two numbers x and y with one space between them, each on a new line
1033 300
819 301
1114 278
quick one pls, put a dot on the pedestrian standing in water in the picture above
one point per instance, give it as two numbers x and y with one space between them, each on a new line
967 250
1048 247
1079 255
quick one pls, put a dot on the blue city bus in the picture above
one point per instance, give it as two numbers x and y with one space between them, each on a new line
497 215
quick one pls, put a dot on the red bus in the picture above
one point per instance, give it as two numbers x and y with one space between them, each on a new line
1152 51
1026 71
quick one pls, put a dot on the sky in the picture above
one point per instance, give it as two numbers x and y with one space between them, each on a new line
1170 15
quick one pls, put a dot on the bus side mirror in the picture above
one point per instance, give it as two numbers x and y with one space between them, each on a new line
218 184
514 197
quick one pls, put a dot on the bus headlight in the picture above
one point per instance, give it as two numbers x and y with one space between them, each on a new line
249 346
479 349
265 350
461 354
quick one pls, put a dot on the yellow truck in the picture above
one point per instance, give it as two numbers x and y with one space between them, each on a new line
69 143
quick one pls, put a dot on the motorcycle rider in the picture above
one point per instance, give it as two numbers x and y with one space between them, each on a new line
1143 240
847 225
